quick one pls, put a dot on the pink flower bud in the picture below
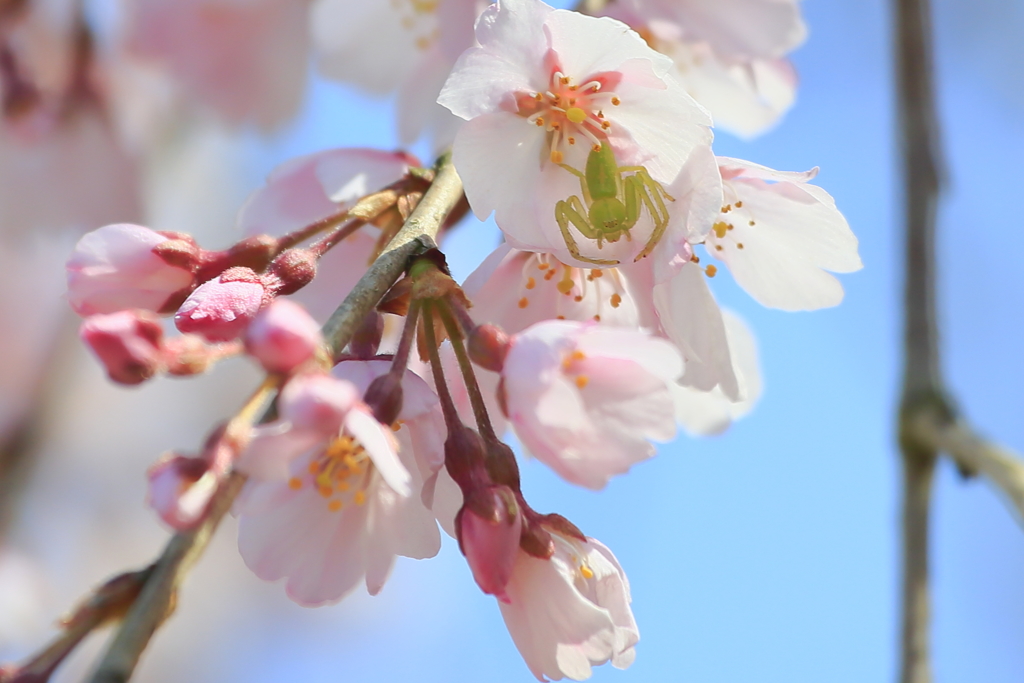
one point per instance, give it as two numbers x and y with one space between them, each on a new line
116 268
296 268
128 343
488 346
489 526
221 309
180 488
283 336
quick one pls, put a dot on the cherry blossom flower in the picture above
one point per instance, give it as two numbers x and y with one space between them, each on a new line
489 527
246 60
283 336
585 398
728 54
548 92
778 235
307 189
115 268
571 612
180 489
350 499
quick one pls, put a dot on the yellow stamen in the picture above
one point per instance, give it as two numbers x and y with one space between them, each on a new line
586 571
360 497
524 302
334 505
295 483
530 283
711 270
582 381
720 229
616 300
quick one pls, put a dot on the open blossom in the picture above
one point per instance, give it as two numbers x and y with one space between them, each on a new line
570 612
778 235
542 95
729 54
307 189
115 268
585 398
350 498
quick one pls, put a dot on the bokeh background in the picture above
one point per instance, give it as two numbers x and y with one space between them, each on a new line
767 554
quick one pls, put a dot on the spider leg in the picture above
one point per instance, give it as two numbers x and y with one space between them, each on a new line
571 212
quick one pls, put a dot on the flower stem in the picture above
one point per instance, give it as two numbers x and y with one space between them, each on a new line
476 399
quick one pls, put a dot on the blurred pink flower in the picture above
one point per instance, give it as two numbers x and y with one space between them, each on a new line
129 344
283 336
246 59
584 398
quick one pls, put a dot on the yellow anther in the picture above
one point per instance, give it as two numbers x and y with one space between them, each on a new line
530 283
560 317
720 229
727 208
718 247
326 491
542 266
564 80
752 223
575 114
343 486
295 483
578 355
739 245
538 97
556 156
739 205
711 270
597 148
616 300
334 505
578 298
616 101
605 125
539 121
695 258
566 284
524 302
582 381
597 318
586 571
572 140
360 497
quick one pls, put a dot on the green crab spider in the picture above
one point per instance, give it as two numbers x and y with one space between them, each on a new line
611 204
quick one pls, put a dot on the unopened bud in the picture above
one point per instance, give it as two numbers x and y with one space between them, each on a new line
283 336
489 527
180 489
295 269
189 355
128 343
501 464
384 397
488 345
119 267
464 454
254 252
221 309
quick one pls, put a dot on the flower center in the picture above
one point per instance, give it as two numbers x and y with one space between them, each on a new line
341 474
569 112
592 291
419 18
724 234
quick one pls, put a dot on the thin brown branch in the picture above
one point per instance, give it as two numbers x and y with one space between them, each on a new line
974 455
921 378
156 600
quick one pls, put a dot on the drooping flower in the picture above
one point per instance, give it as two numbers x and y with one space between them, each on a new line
729 54
351 497
489 528
778 235
570 612
585 398
547 94
129 344
115 268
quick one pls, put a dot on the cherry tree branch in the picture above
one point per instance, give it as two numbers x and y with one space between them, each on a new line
157 596
929 423
922 384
